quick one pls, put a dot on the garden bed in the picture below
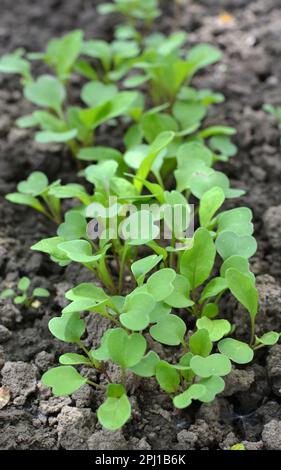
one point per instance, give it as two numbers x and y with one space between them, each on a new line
249 75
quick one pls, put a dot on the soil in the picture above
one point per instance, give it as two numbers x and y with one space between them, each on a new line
249 409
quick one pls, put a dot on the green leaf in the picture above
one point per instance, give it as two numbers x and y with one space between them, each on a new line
68 327
189 113
51 247
210 202
139 228
102 353
230 244
71 190
268 339
114 412
202 55
74 227
239 263
197 263
98 153
203 181
136 310
36 184
216 130
210 310
213 288
215 364
238 447
179 298
126 350
85 296
74 359
7 293
160 310
62 53
160 143
213 386
223 144
20 299
40 292
117 106
236 351
24 284
160 284
200 343
64 380
244 291
102 172
167 377
45 137
95 93
216 328
79 251
25 199
142 266
194 392
147 366
46 91
152 124
238 220
14 63
194 151
169 330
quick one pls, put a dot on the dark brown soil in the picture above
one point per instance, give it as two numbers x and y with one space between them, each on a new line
249 76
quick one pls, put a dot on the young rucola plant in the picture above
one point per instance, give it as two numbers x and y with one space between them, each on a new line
168 162
175 285
133 10
165 73
22 295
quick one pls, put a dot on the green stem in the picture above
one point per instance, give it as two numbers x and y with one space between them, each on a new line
90 382
87 352
252 341
122 268
105 275
184 345
124 377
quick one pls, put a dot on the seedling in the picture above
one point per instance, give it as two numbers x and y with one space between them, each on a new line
275 111
133 10
23 295
35 192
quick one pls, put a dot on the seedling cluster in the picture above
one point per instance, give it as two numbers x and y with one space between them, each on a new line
142 83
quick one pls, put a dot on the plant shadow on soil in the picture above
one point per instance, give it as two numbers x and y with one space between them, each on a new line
249 76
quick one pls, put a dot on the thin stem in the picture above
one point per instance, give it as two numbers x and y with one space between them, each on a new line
124 377
252 332
172 253
87 352
184 345
122 268
90 382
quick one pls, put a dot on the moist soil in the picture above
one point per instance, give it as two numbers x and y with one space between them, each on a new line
249 409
